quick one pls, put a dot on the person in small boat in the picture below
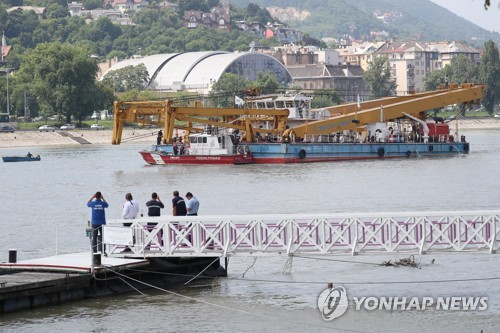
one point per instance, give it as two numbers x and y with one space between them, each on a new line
29 155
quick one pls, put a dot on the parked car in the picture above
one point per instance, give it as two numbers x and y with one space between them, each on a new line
68 126
96 127
46 128
7 129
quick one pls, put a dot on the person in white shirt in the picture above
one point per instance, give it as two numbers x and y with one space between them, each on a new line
130 209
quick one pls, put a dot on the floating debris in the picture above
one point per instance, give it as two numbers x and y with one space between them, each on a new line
407 262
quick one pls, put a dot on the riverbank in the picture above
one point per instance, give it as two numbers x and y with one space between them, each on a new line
77 137
73 137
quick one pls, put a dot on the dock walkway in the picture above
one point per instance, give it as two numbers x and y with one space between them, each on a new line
321 234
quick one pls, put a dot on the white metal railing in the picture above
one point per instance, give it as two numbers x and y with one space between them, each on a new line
261 235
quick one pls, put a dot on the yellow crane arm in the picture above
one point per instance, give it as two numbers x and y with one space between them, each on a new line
383 110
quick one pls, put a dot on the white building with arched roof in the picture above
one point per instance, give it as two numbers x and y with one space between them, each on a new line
197 71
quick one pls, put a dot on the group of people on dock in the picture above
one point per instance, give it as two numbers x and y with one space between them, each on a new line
98 204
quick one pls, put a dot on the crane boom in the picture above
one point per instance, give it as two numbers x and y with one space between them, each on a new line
386 109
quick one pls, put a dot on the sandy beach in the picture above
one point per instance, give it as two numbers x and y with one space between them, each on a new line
77 137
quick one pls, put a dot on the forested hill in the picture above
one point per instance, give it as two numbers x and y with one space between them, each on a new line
405 19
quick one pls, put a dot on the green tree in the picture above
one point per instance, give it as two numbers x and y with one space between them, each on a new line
436 78
463 70
224 91
489 74
91 4
267 83
62 77
127 78
325 97
379 77
56 11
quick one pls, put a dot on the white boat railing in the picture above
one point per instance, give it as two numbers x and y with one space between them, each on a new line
264 235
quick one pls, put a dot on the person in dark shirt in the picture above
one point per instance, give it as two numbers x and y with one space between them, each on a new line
154 209
154 205
178 205
159 137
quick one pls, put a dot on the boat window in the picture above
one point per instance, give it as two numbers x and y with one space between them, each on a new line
192 140
199 140
289 104
261 105
219 139
204 139
280 105
270 105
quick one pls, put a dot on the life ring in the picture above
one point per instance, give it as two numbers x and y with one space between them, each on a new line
408 153
302 154
381 152
431 148
247 150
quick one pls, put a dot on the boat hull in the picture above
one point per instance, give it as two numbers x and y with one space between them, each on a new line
20 159
280 153
158 158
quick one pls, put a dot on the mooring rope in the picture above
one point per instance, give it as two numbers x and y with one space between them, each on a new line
232 308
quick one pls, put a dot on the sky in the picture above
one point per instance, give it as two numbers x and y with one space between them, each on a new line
473 11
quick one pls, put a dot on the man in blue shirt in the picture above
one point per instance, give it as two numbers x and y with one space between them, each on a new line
192 204
98 217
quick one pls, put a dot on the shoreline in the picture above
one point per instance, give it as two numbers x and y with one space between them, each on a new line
76 137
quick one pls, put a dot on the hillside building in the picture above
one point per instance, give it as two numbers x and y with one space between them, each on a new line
4 50
217 18
448 50
346 80
40 11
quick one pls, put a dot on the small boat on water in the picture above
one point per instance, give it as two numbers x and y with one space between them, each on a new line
21 158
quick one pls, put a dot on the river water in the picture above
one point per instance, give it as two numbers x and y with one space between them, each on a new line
43 209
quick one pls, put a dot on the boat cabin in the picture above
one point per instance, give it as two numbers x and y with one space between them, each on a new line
210 144
299 105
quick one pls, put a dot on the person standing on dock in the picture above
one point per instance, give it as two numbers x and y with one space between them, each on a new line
178 205
192 205
98 204
154 209
130 209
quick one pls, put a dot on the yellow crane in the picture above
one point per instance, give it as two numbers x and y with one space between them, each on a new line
387 109
352 116
163 114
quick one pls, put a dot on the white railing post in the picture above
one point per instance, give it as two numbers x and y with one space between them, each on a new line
356 236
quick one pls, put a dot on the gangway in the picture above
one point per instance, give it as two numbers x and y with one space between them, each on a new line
319 234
